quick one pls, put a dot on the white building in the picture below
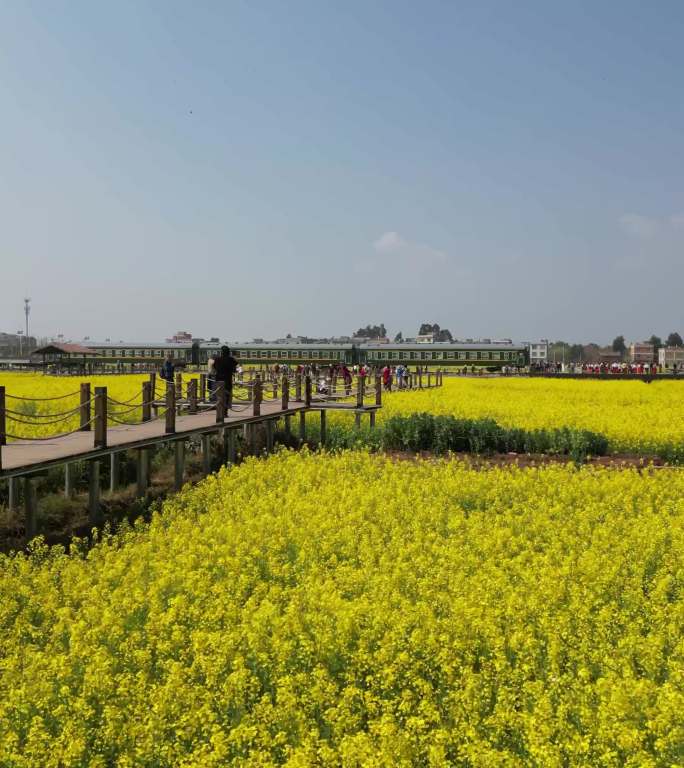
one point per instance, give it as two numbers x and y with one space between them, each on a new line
539 351
668 357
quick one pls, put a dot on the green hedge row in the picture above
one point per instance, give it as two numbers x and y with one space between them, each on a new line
443 434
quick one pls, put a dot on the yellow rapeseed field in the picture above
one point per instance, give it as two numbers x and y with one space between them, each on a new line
46 388
635 417
348 610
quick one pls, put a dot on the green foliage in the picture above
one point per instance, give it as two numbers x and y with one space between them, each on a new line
443 434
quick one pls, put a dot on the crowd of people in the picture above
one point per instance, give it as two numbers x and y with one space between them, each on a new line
615 368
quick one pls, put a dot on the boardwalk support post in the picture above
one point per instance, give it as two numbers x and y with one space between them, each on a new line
257 397
307 391
68 481
286 394
143 473
206 454
270 435
323 427
298 387
378 390
85 408
220 395
203 387
179 464
3 423
229 446
113 472
192 396
170 408
13 499
100 417
30 506
302 427
360 391
94 511
147 398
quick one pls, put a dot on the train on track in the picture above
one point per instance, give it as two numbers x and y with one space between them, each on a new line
492 355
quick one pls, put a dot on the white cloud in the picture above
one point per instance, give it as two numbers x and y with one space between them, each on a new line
639 226
393 244
646 227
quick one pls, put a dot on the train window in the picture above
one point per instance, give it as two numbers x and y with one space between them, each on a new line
305 353
436 355
283 353
405 355
415 355
461 355
450 355
485 355
263 353
496 355
314 353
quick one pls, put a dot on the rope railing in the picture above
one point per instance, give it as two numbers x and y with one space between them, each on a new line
41 399
11 413
47 438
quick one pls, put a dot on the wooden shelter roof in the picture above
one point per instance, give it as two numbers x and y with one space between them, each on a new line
64 349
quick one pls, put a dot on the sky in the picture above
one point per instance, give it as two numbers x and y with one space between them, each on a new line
254 169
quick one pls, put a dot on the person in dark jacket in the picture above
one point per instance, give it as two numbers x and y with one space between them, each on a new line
167 368
224 369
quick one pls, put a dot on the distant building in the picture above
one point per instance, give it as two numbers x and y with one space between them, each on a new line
182 337
668 357
426 338
539 351
641 352
609 355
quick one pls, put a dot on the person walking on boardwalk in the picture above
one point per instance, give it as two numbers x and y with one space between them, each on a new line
211 376
225 366
167 368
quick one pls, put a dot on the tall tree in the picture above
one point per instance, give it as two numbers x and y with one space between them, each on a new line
656 341
674 340
372 331
399 338
619 345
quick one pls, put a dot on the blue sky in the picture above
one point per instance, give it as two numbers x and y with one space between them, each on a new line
252 169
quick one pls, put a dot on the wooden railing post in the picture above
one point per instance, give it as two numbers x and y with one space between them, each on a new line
203 387
179 386
85 407
307 391
298 387
3 423
275 388
170 408
153 384
256 397
378 390
220 394
100 417
192 395
147 398
360 391
286 394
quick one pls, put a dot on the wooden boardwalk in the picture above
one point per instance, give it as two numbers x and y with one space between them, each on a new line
23 456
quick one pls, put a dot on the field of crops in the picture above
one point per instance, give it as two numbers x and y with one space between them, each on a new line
635 417
354 611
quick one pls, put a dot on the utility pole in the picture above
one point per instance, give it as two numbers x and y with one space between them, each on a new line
20 334
27 312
